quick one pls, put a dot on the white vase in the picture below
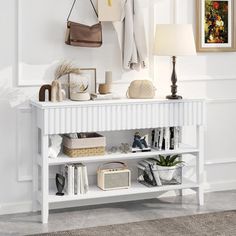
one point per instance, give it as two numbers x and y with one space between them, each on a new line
166 173
80 96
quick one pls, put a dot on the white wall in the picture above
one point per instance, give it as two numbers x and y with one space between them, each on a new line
211 76
34 33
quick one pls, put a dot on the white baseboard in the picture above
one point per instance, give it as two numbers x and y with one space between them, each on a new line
21 207
220 186
16 207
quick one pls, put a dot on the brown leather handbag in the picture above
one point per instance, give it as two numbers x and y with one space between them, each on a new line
83 35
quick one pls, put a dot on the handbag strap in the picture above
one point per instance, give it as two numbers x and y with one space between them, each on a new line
73 5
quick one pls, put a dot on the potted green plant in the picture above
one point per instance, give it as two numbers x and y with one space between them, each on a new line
167 166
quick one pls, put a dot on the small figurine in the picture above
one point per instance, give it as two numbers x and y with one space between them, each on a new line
124 148
60 183
56 91
139 143
42 92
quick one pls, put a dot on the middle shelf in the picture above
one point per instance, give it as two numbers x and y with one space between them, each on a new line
63 159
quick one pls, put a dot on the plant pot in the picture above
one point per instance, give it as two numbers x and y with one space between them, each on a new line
167 173
80 96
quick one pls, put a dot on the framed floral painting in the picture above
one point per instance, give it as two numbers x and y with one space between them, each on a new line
216 25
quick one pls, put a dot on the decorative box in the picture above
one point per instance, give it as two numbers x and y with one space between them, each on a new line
87 144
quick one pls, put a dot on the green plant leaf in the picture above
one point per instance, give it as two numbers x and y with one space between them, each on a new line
173 158
167 160
176 163
158 162
162 159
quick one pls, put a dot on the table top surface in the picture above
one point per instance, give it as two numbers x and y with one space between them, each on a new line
69 103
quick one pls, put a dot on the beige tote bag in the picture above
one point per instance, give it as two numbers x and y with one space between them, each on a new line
110 10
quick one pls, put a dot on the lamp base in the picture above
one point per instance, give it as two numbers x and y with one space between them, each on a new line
173 97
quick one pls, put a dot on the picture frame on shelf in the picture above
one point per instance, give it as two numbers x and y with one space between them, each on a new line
87 77
216 22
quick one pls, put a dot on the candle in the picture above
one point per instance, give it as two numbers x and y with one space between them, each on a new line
108 77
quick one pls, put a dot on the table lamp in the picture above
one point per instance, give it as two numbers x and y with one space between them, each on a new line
174 40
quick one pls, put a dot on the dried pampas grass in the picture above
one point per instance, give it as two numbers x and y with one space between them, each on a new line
66 68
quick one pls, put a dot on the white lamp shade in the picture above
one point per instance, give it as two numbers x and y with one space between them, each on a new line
174 40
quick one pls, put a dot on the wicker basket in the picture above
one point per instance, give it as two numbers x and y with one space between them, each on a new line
84 152
93 145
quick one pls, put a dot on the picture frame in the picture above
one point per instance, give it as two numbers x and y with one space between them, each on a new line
216 22
87 76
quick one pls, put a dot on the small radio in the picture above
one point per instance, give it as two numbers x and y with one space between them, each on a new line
113 178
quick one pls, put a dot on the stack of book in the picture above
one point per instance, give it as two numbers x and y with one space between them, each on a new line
148 173
97 96
167 138
76 179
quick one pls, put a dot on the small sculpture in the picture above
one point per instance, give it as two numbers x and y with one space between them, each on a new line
60 183
140 143
42 91
124 148
55 145
56 94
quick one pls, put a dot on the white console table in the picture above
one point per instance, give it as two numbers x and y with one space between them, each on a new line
68 117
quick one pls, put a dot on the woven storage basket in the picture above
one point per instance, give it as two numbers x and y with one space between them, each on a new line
93 145
84 152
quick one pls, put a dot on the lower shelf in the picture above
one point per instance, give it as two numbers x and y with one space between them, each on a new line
136 188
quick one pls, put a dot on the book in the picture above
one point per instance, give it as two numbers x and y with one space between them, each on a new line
161 137
155 171
68 174
153 138
176 138
146 166
85 178
180 130
167 138
77 179
72 179
158 137
172 138
146 176
97 96
81 180
148 149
